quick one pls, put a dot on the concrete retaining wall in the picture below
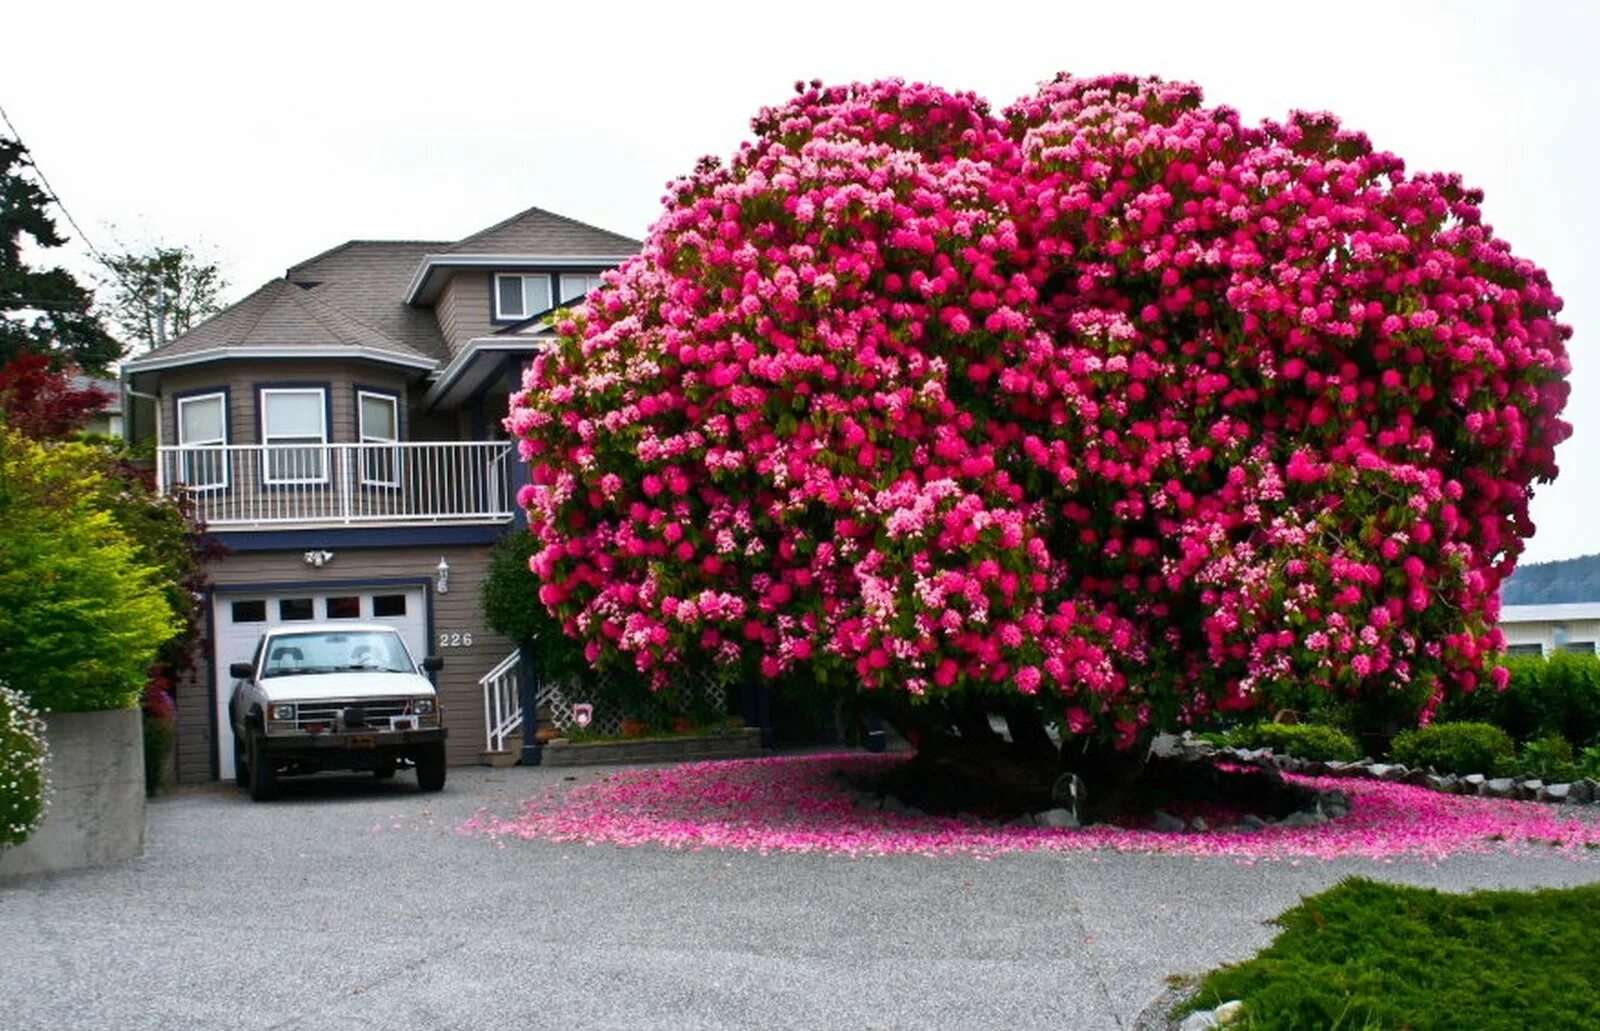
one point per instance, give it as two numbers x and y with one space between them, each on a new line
96 813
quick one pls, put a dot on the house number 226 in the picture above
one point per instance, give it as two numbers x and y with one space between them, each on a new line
455 639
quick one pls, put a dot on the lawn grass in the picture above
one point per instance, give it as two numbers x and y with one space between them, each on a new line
1364 955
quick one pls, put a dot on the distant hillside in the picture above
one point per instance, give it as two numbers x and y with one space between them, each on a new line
1554 583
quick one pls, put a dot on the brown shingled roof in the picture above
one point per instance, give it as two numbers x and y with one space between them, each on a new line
281 314
537 231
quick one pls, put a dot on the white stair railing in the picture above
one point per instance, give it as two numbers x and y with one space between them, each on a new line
502 702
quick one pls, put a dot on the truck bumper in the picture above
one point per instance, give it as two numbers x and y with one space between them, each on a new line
353 741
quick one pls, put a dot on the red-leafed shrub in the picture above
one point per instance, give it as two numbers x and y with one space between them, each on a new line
40 401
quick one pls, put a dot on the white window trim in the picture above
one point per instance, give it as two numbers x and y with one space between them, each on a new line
221 397
522 278
361 433
582 277
322 414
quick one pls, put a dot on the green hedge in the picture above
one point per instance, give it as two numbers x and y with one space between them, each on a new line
1301 740
1453 747
1558 695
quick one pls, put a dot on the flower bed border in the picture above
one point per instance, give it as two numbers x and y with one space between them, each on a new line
737 744
1584 791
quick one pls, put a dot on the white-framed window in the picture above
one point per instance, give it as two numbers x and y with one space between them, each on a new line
203 423
294 426
516 296
574 285
378 424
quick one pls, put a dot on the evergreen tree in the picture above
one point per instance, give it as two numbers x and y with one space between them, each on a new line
42 311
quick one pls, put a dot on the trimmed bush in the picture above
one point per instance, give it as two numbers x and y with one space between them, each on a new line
1454 747
23 756
1301 740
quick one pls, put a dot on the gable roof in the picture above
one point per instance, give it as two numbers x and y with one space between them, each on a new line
1569 581
537 231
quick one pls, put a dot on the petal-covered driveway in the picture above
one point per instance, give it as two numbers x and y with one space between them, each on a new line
351 904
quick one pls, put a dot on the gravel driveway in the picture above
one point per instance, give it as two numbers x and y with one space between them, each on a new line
353 904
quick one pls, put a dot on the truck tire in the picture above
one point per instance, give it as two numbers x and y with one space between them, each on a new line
263 780
241 764
430 768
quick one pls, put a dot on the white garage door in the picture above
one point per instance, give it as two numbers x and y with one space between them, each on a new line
240 619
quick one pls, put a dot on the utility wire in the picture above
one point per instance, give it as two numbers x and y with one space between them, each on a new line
51 192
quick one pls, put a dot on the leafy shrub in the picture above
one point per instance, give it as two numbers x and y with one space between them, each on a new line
83 616
159 734
1453 747
1558 695
1589 763
1549 758
1302 740
23 757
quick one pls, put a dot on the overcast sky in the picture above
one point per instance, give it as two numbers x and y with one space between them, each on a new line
266 133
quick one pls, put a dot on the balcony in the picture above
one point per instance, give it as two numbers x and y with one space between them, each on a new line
272 487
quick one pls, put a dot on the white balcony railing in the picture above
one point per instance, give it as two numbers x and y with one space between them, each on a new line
263 486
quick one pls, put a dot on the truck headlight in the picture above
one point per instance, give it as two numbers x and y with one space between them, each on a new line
281 711
422 706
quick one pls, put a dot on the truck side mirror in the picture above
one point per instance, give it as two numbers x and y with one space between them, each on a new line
242 670
433 663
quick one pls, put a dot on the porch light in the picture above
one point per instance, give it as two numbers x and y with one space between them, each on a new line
442 585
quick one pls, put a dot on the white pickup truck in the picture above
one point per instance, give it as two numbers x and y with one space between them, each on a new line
334 696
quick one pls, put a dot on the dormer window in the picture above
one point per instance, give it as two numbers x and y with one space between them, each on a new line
519 296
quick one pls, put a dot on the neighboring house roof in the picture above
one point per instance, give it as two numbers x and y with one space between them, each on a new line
109 386
358 299
1572 581
282 319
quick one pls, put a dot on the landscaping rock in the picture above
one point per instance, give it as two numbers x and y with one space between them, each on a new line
1315 767
1251 822
1555 792
1058 817
1498 787
1303 819
1167 746
1199 1020
1580 792
1199 825
1381 770
1530 788
1472 784
1167 823
1418 777
1230 1012
1440 783
1025 820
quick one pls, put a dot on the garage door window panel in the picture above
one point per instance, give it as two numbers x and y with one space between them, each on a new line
294 426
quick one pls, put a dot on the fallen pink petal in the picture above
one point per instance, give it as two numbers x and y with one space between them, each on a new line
801 804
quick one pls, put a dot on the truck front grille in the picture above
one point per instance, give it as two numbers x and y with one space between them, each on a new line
350 713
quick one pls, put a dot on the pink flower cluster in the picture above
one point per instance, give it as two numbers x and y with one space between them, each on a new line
1111 399
798 804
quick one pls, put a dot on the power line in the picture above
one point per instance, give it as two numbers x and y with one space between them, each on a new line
51 191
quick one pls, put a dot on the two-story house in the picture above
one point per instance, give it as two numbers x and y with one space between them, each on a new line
339 430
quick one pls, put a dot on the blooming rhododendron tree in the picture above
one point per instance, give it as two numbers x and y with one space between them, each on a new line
1110 411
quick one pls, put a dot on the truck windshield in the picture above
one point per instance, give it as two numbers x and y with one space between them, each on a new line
354 651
